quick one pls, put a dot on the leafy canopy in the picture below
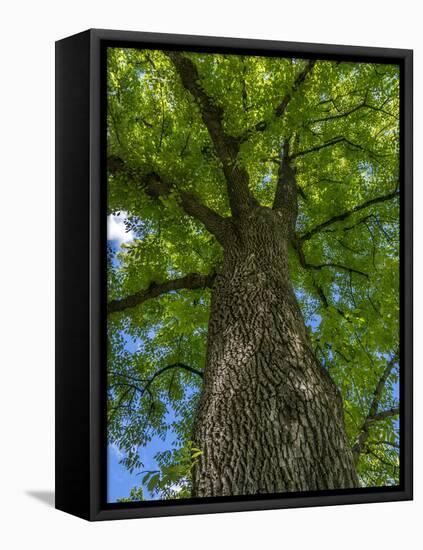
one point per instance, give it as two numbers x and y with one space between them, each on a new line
341 122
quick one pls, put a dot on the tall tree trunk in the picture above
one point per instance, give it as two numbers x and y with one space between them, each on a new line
270 418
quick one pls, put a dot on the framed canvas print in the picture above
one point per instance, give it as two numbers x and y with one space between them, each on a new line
234 274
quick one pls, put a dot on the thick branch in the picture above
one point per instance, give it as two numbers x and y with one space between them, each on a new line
155 186
191 281
373 415
192 205
211 220
226 146
344 215
286 195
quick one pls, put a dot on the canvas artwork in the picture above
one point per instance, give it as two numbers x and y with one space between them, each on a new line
253 294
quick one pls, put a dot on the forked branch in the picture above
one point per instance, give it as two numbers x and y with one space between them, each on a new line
226 146
155 186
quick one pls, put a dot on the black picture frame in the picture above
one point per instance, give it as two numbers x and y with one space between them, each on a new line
80 280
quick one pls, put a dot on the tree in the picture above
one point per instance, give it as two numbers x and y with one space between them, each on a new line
262 284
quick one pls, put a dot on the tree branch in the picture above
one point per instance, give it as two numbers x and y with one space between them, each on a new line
394 411
344 215
373 415
286 195
155 186
192 281
329 143
297 243
151 379
281 108
226 146
148 382
177 365
362 105
191 204
340 115
337 266
319 290
389 443
334 141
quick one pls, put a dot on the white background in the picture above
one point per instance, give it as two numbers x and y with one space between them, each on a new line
28 32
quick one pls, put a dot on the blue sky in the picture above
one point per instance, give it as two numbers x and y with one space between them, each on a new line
119 480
